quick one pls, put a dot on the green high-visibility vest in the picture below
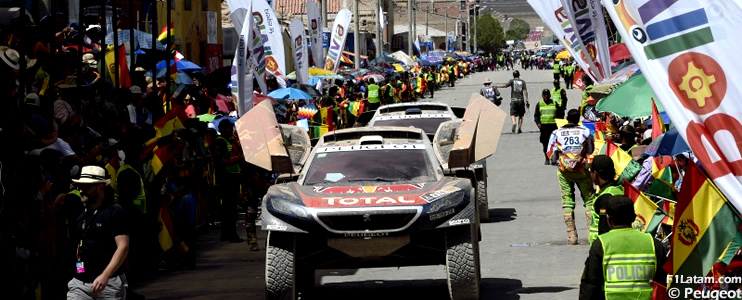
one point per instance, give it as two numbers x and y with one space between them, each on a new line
629 263
569 69
556 67
390 89
614 190
373 93
141 200
556 95
548 112
585 94
233 168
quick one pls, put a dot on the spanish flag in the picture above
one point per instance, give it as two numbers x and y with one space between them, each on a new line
648 214
625 165
705 225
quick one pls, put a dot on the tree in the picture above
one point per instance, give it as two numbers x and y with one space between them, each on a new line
489 34
518 30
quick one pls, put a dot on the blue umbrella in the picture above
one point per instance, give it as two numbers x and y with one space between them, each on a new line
183 65
289 93
669 143
425 63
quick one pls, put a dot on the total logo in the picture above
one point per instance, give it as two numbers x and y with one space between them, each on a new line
341 201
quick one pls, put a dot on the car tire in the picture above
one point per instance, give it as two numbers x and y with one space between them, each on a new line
482 202
462 262
280 267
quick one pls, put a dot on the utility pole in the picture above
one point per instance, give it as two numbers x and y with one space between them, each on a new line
446 29
356 35
468 27
379 22
323 21
476 15
390 20
409 30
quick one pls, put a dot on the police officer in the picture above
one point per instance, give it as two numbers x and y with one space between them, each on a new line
602 174
559 95
545 118
622 261
572 143
373 95
557 69
569 73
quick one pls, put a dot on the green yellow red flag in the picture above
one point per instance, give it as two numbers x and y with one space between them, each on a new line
648 214
705 225
626 167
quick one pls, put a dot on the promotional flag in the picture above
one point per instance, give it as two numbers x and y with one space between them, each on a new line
556 18
271 33
658 125
337 39
315 33
589 35
687 52
648 214
705 225
299 48
242 69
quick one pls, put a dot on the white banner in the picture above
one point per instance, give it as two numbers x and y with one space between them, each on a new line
270 30
211 27
588 33
687 51
315 32
299 48
337 39
555 17
240 67
238 11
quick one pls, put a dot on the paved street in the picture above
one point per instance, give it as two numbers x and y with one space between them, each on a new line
524 251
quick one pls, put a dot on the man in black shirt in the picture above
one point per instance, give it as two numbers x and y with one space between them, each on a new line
103 241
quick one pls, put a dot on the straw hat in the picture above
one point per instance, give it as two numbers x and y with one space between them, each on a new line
487 81
11 58
33 99
91 175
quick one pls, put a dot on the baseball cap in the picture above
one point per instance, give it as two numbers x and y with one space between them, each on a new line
619 206
602 164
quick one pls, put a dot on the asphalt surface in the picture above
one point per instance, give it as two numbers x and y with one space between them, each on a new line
524 251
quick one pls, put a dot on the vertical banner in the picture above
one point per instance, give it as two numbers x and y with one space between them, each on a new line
211 27
270 31
258 55
299 48
240 68
315 32
554 16
588 32
687 52
337 39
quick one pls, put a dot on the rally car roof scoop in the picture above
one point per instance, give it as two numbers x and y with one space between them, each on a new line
266 144
460 143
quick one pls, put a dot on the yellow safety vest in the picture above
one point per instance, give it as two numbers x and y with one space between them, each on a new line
614 190
373 93
629 263
548 112
556 95
141 200
556 67
233 168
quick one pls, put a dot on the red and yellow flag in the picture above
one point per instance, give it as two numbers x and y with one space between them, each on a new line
174 119
658 125
705 225
165 237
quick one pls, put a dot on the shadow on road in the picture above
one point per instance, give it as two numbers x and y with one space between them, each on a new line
491 288
502 215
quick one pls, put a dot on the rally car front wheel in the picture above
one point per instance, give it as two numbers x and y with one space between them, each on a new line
280 267
462 262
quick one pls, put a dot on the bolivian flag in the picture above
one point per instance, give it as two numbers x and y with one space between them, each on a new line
648 214
174 119
626 167
161 156
705 225
165 237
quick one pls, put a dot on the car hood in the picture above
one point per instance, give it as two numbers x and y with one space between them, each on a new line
386 194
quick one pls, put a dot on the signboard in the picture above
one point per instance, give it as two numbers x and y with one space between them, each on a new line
213 58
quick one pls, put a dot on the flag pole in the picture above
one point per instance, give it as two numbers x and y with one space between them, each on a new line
114 28
169 47
80 40
153 51
104 29
131 34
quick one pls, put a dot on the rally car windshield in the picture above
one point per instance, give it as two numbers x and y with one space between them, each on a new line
429 125
383 165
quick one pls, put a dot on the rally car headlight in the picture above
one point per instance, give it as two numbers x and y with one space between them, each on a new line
287 208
